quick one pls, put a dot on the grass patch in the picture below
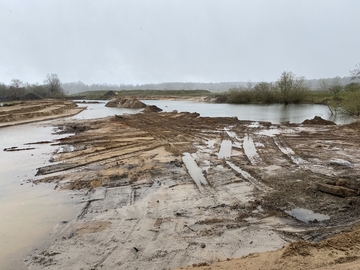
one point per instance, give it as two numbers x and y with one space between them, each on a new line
105 94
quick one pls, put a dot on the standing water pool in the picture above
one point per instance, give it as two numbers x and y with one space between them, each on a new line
28 212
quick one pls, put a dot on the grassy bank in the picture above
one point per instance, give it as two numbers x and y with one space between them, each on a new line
105 94
344 102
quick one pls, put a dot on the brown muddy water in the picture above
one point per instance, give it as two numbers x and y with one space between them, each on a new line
28 213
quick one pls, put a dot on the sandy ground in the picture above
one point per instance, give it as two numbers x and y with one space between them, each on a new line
171 190
339 252
35 111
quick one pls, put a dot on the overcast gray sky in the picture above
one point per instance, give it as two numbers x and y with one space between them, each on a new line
151 41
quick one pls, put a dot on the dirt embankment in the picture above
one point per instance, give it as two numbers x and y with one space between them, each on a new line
37 110
168 190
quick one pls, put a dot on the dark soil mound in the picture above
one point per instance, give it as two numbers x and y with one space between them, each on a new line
317 120
109 94
151 109
30 96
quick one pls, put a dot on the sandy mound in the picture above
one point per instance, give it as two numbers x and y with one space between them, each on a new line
126 103
317 120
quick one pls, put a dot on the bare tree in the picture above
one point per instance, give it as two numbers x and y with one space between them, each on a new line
335 87
291 88
355 73
17 88
53 84
16 83
249 85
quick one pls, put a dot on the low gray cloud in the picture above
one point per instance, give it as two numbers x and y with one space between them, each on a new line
141 41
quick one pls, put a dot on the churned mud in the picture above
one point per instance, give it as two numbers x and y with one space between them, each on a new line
169 190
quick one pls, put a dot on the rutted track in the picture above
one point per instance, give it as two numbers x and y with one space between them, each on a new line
155 215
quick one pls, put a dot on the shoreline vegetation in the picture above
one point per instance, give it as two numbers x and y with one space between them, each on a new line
289 89
340 95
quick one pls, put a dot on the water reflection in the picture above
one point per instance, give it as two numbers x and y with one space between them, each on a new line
274 113
306 215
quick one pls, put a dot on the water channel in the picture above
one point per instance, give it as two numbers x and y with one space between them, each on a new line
29 212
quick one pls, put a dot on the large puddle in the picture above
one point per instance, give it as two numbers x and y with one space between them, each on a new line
275 113
306 215
250 150
28 212
225 149
194 170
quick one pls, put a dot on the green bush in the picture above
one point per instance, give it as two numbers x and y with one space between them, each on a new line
239 96
287 90
352 87
265 93
351 103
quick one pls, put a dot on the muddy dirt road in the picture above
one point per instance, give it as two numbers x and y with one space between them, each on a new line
167 190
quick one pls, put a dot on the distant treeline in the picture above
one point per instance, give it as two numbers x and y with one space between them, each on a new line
77 87
19 90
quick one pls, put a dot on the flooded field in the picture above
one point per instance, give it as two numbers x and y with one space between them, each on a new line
170 189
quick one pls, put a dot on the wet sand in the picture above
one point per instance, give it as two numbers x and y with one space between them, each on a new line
29 213
168 190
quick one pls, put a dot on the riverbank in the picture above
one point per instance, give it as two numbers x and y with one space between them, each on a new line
167 190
